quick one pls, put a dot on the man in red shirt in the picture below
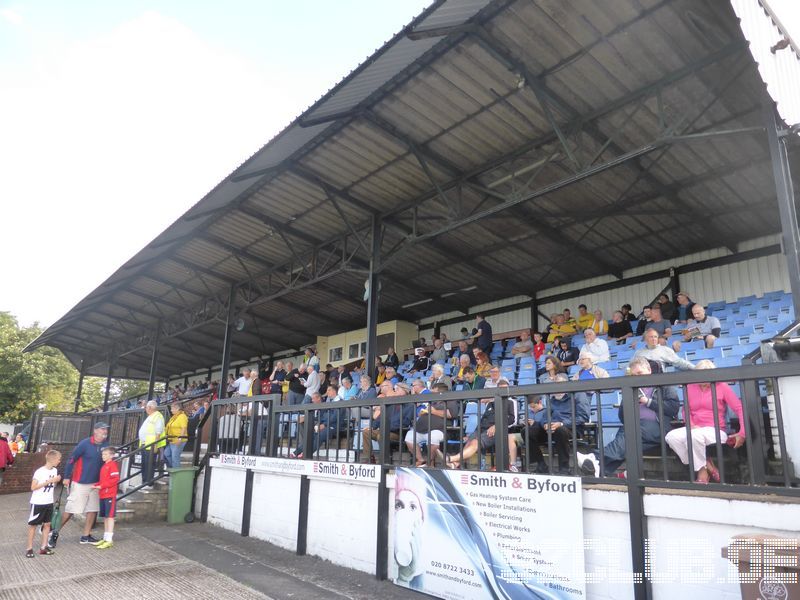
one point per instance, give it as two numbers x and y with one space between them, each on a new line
107 485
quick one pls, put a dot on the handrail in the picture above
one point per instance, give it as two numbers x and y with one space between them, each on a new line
753 356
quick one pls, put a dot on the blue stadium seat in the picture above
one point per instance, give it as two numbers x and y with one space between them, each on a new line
527 380
609 398
527 364
616 372
710 353
728 361
741 349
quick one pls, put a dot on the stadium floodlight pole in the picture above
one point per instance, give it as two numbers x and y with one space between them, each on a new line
373 298
226 345
776 137
154 361
80 386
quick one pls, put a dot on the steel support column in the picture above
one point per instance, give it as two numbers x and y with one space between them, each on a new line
108 383
226 345
374 295
80 386
534 304
154 362
785 195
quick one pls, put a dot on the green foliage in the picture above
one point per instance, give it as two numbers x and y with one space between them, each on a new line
46 377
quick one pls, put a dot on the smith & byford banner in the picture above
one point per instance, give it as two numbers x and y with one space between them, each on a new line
350 472
478 535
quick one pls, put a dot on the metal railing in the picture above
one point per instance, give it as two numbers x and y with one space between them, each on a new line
260 426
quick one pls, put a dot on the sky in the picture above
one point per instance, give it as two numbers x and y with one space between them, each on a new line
116 117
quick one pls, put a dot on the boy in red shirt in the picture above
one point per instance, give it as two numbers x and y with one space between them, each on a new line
109 479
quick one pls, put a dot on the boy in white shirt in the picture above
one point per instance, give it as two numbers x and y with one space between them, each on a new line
44 480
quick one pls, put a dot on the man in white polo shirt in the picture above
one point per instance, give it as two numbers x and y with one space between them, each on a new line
595 347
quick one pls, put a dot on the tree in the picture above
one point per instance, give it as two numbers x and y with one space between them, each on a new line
46 377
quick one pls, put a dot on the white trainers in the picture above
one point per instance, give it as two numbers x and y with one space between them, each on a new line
589 464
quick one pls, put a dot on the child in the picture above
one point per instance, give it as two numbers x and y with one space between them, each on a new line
44 480
109 479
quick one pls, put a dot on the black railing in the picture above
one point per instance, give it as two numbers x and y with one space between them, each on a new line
136 459
260 426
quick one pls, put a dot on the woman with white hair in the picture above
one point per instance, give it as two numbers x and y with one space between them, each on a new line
700 399
589 370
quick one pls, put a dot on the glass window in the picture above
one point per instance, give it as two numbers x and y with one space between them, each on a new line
335 354
352 351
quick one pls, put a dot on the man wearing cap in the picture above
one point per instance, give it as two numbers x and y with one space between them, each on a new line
151 440
83 472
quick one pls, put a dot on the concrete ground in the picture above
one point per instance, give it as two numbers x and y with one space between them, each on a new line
166 562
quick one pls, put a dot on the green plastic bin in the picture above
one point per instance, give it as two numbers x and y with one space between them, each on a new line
181 480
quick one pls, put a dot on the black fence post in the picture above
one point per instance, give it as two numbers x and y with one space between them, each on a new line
302 516
382 535
247 505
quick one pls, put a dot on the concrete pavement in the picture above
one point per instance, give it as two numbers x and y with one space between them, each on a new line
165 562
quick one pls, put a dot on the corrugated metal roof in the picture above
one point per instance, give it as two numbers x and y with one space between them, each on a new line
450 124
779 67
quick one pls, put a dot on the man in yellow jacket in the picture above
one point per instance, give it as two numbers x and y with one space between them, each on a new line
151 430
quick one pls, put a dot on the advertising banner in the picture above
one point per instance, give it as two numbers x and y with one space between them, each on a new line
480 535
352 472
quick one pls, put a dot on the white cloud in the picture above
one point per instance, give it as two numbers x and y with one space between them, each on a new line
11 16
107 142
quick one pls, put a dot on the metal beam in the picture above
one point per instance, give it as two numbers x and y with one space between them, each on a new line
154 363
373 301
226 344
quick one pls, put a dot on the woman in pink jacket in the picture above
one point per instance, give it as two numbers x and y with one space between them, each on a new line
701 419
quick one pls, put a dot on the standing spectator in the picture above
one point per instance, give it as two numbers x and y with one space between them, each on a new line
151 440
276 378
391 358
297 390
107 491
620 329
229 434
311 382
6 458
177 435
483 336
255 384
244 383
83 471
44 481
683 311
230 385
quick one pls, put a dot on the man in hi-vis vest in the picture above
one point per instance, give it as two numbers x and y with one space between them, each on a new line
151 430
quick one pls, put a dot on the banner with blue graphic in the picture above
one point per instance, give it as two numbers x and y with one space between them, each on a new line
481 535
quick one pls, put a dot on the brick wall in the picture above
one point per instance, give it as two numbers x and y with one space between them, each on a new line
18 477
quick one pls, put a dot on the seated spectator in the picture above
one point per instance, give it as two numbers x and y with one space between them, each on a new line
326 423
559 427
463 364
229 431
641 326
347 391
430 426
569 319
524 347
567 353
391 375
552 367
421 364
658 322
482 363
595 347
663 355
702 327
539 347
548 330
391 358
599 324
462 349
561 328
473 381
667 307
366 393
627 315
588 370
620 329
703 428
380 374
438 377
439 354
418 387
443 337
584 319
340 372
483 437
465 334
400 417
683 311
649 400
378 364
493 380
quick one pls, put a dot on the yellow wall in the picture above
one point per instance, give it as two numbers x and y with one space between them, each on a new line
404 333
